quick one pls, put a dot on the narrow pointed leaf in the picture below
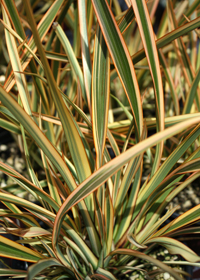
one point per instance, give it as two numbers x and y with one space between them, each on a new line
16 65
101 175
85 49
35 269
175 247
100 95
121 59
147 35
43 27
11 249
148 258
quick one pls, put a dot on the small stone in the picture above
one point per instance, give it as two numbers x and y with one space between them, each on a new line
3 148
10 161
3 184
187 204
193 196
197 200
166 275
19 164
13 150
190 192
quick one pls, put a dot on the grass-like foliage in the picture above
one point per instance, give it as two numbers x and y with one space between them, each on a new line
108 123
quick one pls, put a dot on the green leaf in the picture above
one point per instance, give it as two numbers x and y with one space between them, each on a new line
35 269
11 249
101 175
121 59
175 247
147 35
85 49
165 40
16 65
147 195
100 95
43 27
76 70
191 94
156 262
12 272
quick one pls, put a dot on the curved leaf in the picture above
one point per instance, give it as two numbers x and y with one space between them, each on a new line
175 247
150 259
106 171
35 269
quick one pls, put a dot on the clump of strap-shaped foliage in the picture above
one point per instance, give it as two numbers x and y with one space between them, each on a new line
83 112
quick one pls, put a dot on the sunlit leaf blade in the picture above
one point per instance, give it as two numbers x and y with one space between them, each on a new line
43 27
147 35
73 263
170 81
131 204
104 274
74 140
175 247
38 136
21 40
24 218
140 255
76 70
152 226
29 232
183 56
191 94
169 192
121 59
62 57
126 20
132 240
109 222
41 212
28 185
76 249
100 95
12 272
39 89
11 249
165 40
85 49
193 5
145 195
186 218
123 126
9 126
52 187
102 174
26 204
16 65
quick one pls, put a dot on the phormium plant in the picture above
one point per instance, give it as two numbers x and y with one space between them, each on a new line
84 111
